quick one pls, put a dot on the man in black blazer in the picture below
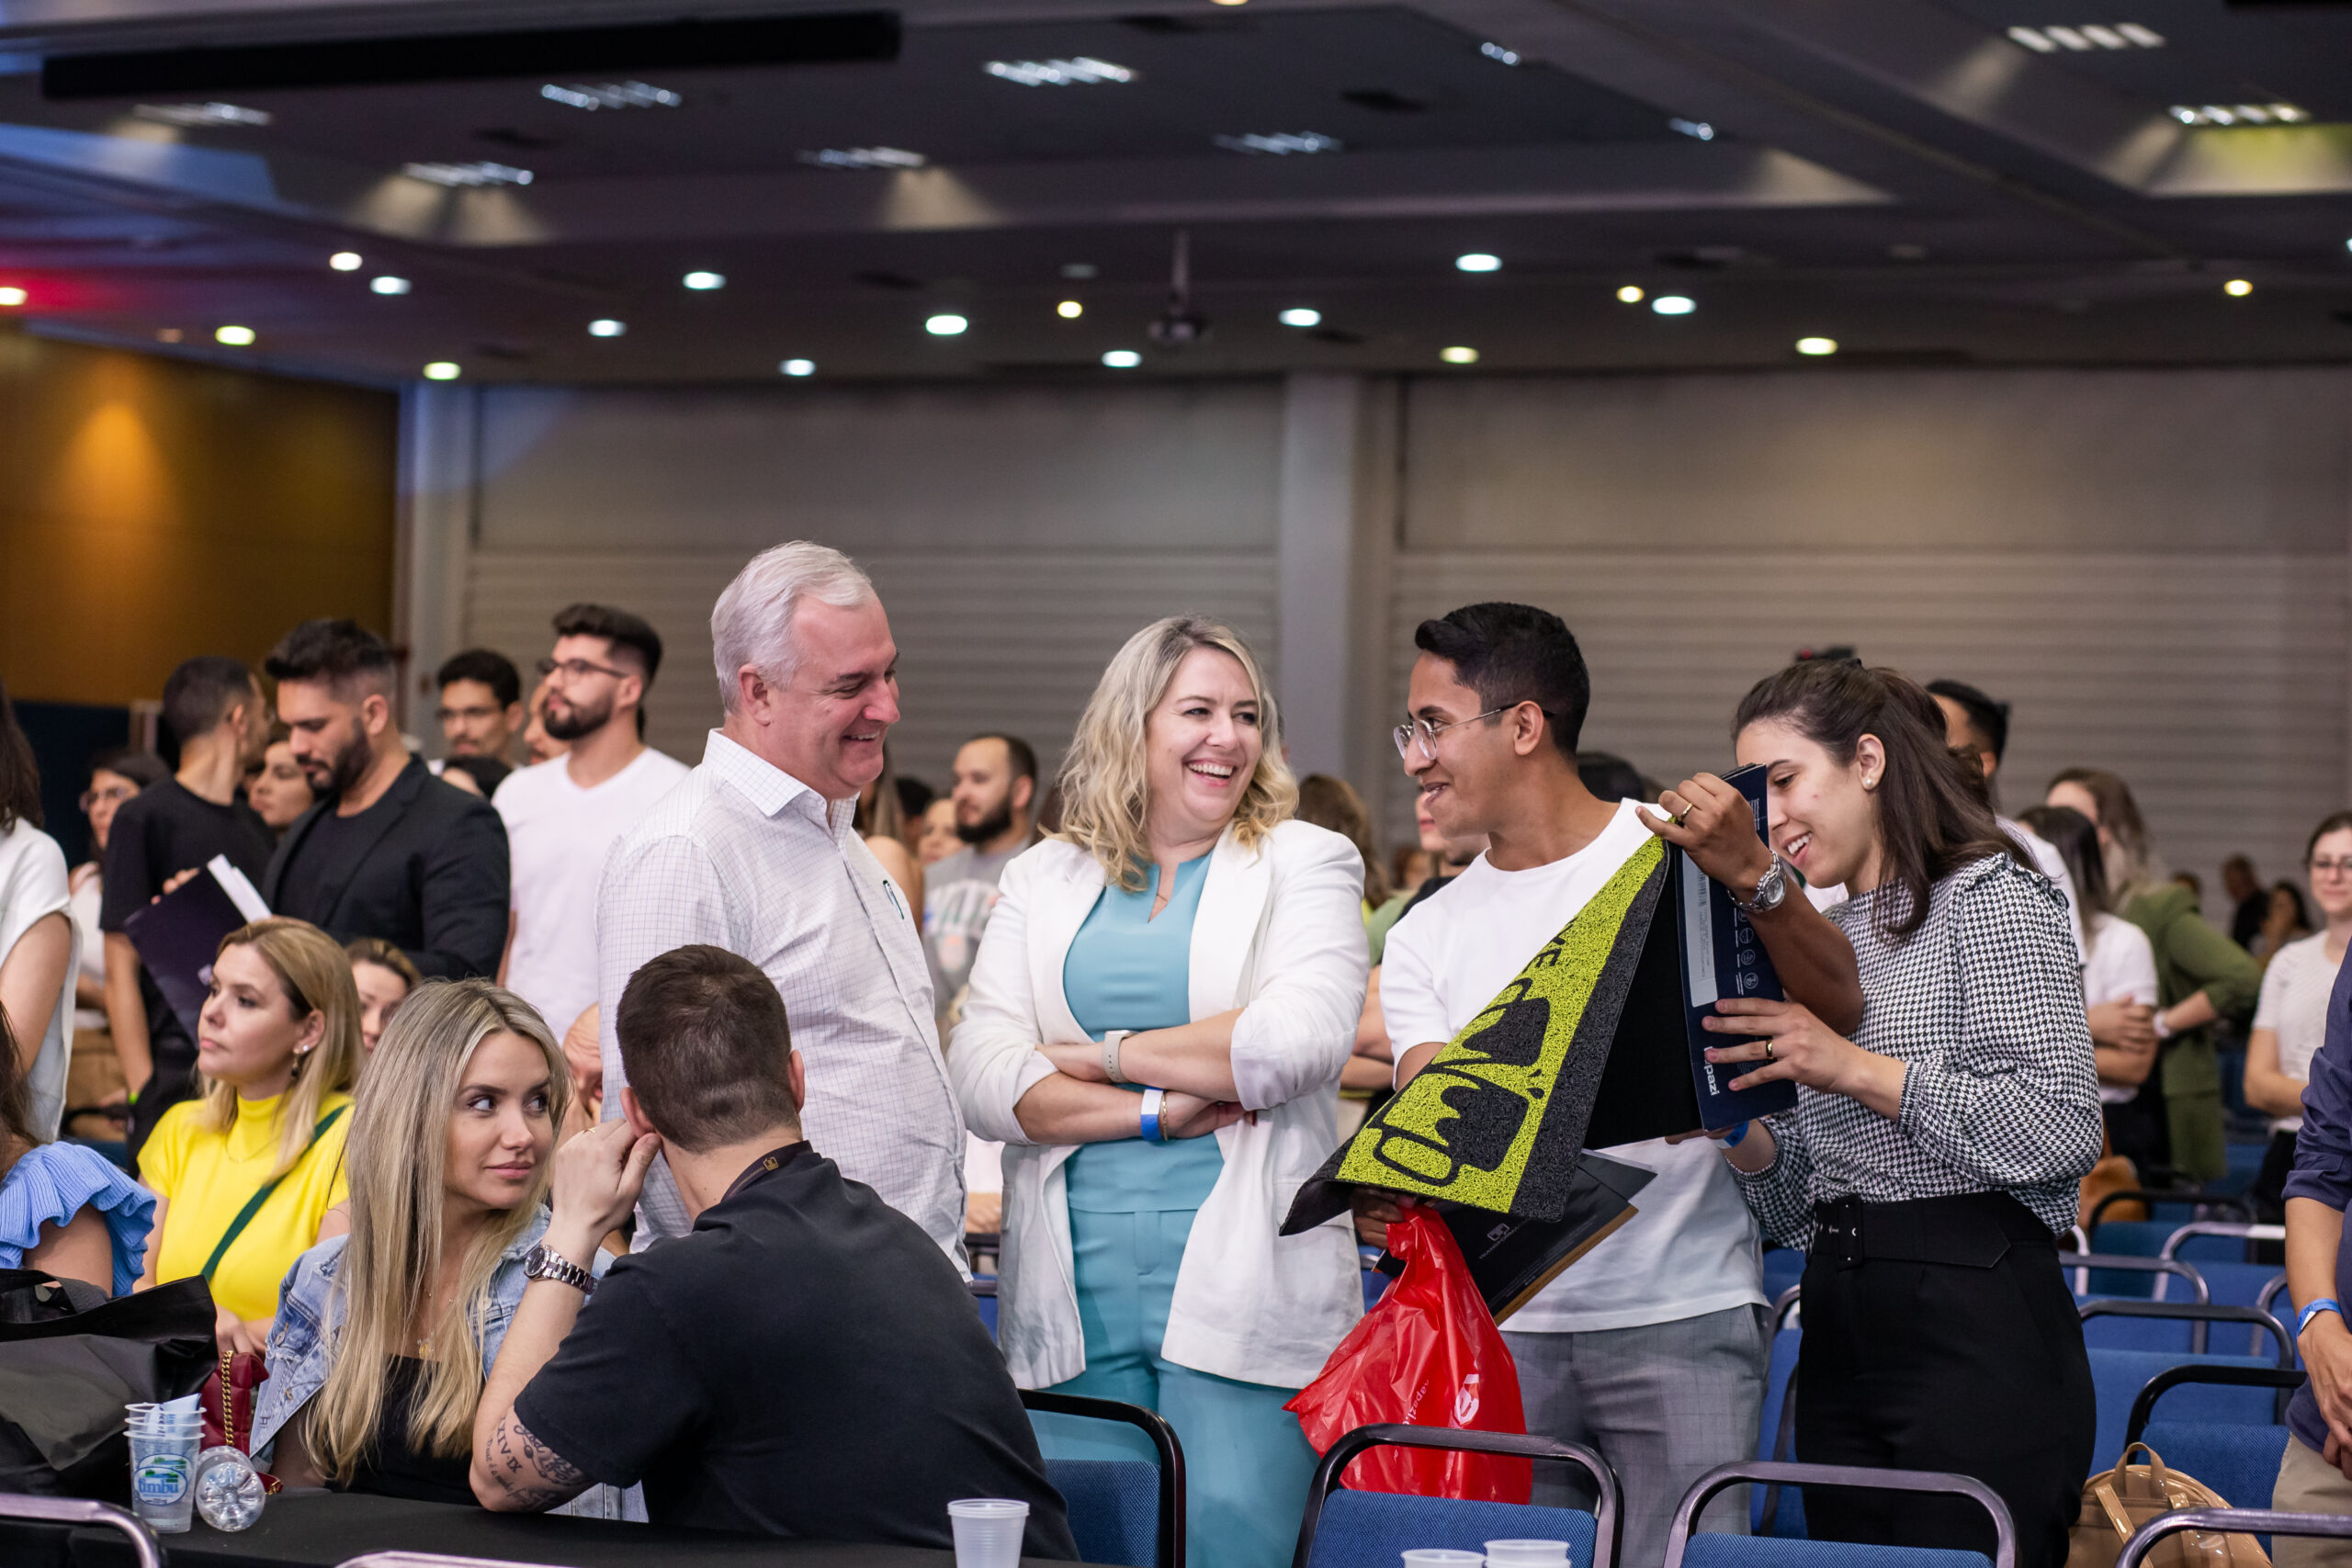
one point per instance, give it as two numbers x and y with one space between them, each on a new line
389 851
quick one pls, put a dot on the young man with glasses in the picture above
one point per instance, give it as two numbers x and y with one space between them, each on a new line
564 815
482 704
1652 1347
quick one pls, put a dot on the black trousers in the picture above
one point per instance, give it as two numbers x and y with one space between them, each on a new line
1972 1367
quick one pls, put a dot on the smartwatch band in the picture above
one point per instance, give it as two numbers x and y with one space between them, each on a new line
1111 1041
1152 1100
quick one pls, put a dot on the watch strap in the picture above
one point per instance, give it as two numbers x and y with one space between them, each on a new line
1770 889
543 1263
1111 1041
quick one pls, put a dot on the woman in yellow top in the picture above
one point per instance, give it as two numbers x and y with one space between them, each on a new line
249 1176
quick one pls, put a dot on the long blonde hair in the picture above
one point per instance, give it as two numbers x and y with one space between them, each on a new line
1105 792
398 1152
317 979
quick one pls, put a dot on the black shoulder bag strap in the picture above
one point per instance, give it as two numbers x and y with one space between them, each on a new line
253 1205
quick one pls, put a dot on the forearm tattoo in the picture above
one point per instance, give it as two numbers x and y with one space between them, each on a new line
532 1473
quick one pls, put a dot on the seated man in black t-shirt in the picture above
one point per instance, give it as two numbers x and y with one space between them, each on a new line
805 1362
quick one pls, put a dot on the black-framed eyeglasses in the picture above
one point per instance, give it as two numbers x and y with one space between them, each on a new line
577 668
1421 732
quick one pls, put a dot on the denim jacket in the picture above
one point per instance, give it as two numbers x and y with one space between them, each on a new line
302 1343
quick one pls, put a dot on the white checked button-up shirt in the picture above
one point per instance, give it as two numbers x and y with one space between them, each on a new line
743 857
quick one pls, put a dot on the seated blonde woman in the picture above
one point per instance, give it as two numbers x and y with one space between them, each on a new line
1158 1014
249 1175
384 1335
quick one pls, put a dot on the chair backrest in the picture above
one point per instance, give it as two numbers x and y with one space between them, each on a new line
2246 1521
2239 1230
1368 1527
2199 1315
2239 1463
1753 1549
2119 1376
82 1515
427 1560
2082 1263
1105 1497
2144 1403
1372 1529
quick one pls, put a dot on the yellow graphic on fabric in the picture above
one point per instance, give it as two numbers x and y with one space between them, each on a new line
1465 1125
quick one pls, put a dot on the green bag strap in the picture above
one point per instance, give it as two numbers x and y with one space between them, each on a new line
253 1205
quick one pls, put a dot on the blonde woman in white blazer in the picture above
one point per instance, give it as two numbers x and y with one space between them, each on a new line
1181 933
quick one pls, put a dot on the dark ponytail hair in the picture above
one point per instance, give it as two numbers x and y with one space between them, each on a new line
16 1138
19 774
1932 818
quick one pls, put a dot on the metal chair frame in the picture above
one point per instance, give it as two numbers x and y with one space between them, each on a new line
428 1559
2285 1380
1781 1474
75 1512
1170 1544
2271 1293
2242 1230
2082 1263
1606 1510
2197 1314
1787 1306
2195 1197
2229 1521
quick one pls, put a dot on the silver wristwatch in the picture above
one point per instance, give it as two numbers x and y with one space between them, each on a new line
541 1263
1770 889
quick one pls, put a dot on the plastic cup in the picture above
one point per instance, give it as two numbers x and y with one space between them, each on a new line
1527 1555
1443 1557
163 1490
989 1532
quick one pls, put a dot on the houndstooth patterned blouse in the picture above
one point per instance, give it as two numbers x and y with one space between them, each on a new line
1984 1005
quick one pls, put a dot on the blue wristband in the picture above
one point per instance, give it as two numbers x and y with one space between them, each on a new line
1152 1100
2326 1303
1736 1135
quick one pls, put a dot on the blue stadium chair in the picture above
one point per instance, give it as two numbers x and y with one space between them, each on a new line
2169 1210
1372 1529
2205 1240
1685 1549
1375 1283
2118 1376
1771 1511
1123 1511
2199 1316
2109 1276
2250 1521
73 1513
2237 1459
1783 1267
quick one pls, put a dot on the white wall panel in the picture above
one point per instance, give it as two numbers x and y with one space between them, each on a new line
2215 683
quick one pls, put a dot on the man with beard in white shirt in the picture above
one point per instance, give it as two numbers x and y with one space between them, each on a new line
1652 1347
564 815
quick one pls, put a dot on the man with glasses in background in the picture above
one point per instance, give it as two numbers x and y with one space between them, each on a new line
481 713
1652 1347
564 815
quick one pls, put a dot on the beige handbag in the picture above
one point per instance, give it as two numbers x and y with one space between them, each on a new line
2117 1502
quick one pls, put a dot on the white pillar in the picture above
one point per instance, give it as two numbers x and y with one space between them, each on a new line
439 489
1315 556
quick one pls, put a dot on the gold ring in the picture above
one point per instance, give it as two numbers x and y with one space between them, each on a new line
1767 1051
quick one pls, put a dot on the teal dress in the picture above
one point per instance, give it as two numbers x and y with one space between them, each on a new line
1131 1206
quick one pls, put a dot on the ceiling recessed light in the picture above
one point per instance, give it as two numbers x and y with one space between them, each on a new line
387 284
1478 261
2146 38
2240 114
1816 346
441 370
12 297
798 367
705 281
2033 40
1631 294
1674 304
947 325
1301 316
346 261
235 337
1280 143
1496 52
1228 2
468 174
863 158
1458 355
1070 310
169 335
611 96
200 113
1078 272
2237 288
1127 358
1697 129
2087 36
606 327
1083 72
2067 37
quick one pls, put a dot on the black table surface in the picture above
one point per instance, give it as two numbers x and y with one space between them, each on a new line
320 1529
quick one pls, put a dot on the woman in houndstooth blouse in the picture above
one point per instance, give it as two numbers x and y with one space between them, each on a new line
1932 1156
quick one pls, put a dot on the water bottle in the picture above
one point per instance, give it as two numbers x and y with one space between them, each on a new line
228 1489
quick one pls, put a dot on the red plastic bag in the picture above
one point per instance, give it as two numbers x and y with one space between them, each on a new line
1428 1353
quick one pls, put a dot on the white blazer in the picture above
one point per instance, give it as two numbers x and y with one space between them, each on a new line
1280 934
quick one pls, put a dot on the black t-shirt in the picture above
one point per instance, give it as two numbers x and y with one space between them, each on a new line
327 857
161 832
805 1362
394 1468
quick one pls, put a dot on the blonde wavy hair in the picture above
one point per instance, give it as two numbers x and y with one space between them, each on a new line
1105 792
398 1154
316 975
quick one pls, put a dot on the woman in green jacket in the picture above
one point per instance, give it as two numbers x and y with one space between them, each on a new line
2202 975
